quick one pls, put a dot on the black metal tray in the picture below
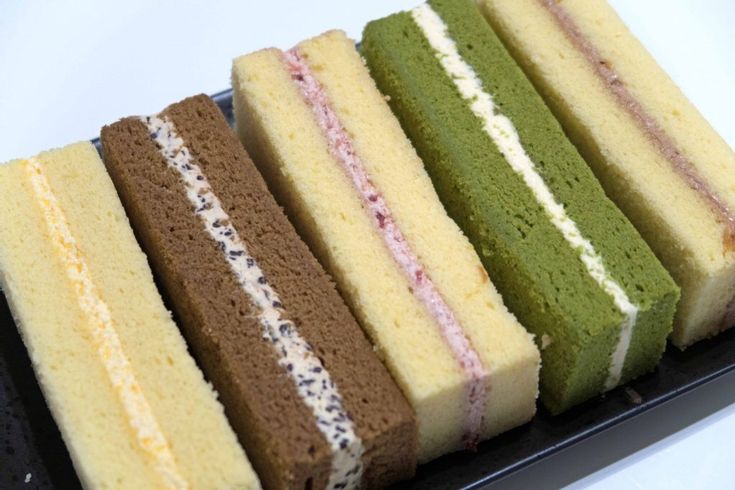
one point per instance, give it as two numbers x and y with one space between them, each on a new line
32 443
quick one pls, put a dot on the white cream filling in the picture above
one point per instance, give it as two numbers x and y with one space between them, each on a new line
313 383
103 334
503 133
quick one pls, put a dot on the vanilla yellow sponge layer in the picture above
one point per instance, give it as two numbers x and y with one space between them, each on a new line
56 332
280 132
677 223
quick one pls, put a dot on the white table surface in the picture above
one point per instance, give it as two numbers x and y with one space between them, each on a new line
67 68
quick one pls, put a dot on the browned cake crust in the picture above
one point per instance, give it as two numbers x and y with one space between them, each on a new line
219 320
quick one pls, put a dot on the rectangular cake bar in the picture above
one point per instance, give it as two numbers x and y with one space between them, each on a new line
568 263
300 383
132 406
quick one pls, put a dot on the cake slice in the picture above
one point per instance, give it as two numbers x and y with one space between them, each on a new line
131 404
655 155
567 262
301 385
337 159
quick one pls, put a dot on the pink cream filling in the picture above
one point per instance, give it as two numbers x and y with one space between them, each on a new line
648 124
423 288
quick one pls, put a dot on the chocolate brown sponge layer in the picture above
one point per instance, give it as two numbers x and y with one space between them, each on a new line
277 429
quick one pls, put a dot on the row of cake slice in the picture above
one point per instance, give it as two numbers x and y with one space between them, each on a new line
301 386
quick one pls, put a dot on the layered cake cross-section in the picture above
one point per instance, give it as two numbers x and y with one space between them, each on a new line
132 406
656 156
568 263
337 159
300 383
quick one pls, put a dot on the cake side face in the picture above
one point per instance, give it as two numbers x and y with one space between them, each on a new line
132 412
541 277
655 155
268 409
395 169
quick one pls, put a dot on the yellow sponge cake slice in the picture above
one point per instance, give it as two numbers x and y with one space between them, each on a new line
132 406
337 159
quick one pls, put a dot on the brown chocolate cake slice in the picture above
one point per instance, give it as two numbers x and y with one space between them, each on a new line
301 385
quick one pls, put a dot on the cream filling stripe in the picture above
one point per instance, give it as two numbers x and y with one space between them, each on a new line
104 338
503 133
313 383
341 147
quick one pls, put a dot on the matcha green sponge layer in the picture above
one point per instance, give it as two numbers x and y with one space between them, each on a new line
541 277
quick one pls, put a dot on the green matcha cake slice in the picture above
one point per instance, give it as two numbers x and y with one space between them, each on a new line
567 262
654 154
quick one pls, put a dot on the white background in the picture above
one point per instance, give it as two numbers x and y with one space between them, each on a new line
67 68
